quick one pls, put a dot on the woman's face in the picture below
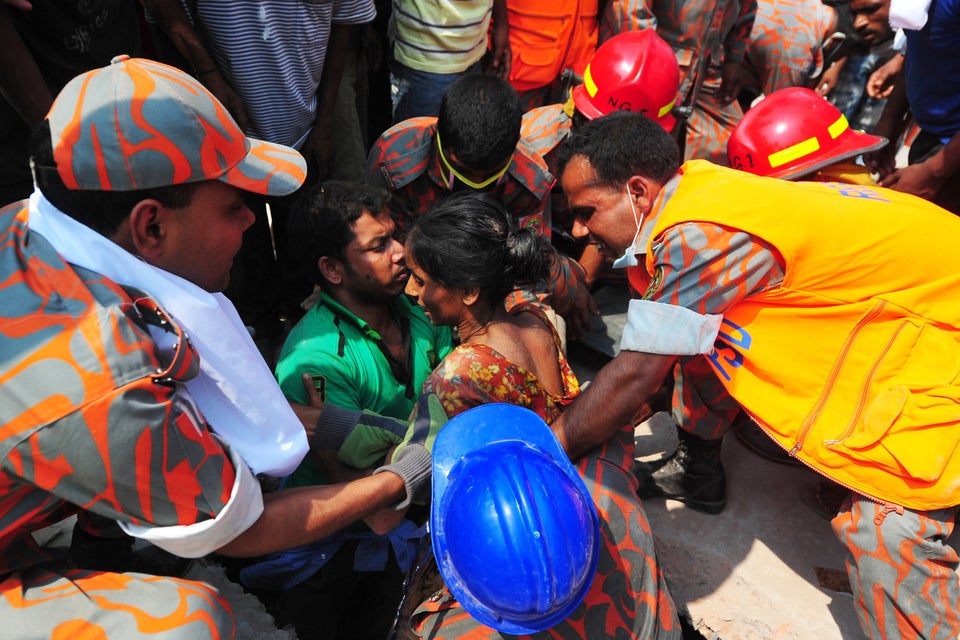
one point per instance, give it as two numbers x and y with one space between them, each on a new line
443 306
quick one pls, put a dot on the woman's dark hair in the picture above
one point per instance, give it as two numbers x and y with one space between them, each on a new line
468 240
102 211
321 218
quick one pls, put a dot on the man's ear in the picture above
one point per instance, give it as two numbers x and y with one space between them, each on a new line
644 190
146 229
331 269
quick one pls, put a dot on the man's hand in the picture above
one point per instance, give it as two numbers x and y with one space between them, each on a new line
214 81
880 82
579 317
500 54
883 161
501 57
309 414
172 17
731 83
829 79
918 179
319 149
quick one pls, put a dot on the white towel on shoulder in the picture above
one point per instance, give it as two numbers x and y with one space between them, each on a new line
235 390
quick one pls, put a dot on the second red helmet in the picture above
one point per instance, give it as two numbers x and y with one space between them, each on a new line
793 132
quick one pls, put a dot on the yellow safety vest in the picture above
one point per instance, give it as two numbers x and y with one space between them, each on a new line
854 361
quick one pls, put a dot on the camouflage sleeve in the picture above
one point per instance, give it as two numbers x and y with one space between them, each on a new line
201 538
566 276
735 44
708 268
625 15
140 455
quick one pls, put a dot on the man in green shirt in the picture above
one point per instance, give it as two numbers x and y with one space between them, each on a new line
366 347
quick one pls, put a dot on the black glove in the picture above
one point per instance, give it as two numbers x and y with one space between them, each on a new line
414 465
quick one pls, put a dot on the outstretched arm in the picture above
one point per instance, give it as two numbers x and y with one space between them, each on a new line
293 517
890 125
614 398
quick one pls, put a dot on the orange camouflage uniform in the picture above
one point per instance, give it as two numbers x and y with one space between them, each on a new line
902 572
705 34
91 420
785 44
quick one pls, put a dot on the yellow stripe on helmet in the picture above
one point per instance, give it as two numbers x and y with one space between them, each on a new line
791 153
664 110
588 83
838 127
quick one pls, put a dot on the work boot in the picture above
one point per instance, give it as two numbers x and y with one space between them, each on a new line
693 474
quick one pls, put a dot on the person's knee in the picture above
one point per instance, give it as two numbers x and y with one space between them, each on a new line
206 613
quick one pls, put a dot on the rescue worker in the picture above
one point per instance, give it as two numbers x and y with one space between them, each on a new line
826 311
709 38
633 71
475 143
793 134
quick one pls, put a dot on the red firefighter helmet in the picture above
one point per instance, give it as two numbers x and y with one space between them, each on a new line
793 132
632 71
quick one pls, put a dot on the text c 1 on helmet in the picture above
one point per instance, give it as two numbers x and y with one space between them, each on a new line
793 132
514 529
632 71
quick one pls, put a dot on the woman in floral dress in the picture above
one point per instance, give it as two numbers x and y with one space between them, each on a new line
464 260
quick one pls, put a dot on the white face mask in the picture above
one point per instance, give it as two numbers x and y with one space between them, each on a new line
629 257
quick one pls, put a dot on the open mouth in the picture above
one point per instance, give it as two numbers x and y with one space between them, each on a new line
602 248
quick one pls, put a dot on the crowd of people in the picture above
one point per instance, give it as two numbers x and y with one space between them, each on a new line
256 255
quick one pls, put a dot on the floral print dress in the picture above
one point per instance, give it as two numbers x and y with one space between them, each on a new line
628 597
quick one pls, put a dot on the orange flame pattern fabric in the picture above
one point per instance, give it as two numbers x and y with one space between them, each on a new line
139 124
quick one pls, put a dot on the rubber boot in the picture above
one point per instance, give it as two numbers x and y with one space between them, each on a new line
693 474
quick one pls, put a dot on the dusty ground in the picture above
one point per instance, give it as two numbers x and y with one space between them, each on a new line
253 621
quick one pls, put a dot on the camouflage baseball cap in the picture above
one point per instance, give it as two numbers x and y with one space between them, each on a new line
139 124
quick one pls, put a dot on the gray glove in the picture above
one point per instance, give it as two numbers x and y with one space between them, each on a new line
414 465
362 437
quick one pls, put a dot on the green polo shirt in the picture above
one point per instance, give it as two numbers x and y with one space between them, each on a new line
352 370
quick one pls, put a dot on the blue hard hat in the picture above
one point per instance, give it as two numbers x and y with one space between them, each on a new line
514 529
